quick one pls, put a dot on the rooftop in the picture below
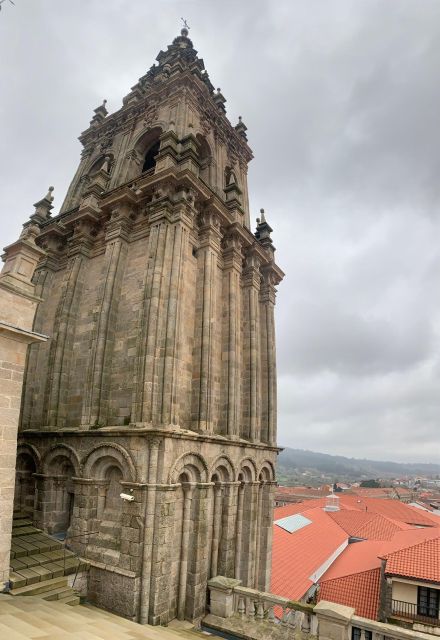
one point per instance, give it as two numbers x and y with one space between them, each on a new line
319 552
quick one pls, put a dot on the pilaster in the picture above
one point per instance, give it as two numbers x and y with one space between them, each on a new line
205 388
231 341
251 347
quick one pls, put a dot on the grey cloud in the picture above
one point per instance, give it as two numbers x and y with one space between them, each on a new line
341 101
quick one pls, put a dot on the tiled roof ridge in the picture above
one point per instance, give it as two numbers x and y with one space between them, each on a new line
347 575
362 526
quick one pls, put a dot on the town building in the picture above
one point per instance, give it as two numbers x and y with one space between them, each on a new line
148 425
377 556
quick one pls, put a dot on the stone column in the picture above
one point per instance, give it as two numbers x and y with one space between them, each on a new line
265 537
85 512
44 499
251 348
183 573
216 528
268 391
149 524
252 533
204 373
232 265
239 534
226 556
259 492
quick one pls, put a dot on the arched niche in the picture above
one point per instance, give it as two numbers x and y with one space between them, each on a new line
266 472
248 470
223 469
25 486
106 455
98 163
205 159
193 465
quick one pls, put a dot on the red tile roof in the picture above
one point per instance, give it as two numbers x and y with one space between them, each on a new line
378 528
357 557
360 590
368 525
297 556
391 509
420 561
383 523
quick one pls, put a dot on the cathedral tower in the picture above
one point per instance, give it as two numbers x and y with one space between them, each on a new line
159 378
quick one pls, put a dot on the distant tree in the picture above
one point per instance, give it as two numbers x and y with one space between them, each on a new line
370 484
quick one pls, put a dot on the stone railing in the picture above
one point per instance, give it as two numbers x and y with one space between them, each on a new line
255 615
248 613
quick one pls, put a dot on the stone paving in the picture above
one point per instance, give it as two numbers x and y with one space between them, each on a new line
25 618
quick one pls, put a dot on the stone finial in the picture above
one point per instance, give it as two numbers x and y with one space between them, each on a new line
43 208
100 113
220 100
241 128
263 230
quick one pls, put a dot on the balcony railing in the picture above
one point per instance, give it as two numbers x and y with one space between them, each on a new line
410 611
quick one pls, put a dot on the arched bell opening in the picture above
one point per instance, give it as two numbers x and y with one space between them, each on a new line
150 157
25 485
144 153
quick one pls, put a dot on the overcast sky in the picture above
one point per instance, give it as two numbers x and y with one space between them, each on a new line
342 102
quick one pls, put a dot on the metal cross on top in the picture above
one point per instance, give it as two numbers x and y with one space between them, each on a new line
185 24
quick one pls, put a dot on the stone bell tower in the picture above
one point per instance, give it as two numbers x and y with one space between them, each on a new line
159 378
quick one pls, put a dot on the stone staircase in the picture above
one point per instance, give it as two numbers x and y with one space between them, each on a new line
27 618
40 564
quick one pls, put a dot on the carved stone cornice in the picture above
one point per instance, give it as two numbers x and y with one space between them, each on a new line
232 249
210 231
268 286
251 271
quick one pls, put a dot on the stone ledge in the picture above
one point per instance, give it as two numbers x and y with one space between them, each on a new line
111 569
22 335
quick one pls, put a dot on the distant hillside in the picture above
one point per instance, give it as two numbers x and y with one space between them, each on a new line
299 460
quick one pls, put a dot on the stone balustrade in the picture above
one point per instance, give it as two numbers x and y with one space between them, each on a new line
256 615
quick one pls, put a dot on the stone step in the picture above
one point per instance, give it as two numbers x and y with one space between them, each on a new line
24 531
21 522
40 587
71 600
58 593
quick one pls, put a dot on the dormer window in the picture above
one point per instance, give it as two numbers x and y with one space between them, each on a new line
150 157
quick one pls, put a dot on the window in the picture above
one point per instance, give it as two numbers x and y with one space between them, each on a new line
150 157
428 602
356 634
